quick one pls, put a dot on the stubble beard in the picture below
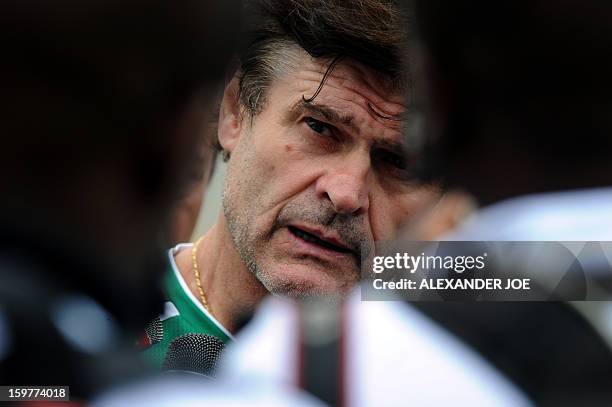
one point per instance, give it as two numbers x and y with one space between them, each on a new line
244 244
245 241
240 219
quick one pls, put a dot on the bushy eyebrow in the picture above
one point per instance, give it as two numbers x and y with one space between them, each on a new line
334 116
393 146
330 114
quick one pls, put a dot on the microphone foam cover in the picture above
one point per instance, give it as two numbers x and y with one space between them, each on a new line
193 353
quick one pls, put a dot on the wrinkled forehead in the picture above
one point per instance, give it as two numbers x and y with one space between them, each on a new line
351 89
365 86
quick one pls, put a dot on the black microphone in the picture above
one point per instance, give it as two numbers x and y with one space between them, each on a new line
154 331
196 353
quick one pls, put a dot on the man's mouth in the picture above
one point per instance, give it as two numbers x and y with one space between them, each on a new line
310 238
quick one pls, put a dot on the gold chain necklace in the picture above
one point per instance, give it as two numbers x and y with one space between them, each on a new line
196 272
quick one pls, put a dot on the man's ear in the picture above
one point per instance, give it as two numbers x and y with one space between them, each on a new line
230 117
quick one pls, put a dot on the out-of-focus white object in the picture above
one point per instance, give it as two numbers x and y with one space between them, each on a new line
394 357
196 391
576 216
580 215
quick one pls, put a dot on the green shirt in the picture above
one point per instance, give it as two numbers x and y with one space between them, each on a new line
183 314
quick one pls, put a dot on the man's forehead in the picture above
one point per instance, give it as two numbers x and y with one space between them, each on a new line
349 81
350 93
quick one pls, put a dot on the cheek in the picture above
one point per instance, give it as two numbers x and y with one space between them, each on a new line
295 172
272 148
285 167
272 169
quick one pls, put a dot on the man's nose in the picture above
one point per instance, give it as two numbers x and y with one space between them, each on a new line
347 188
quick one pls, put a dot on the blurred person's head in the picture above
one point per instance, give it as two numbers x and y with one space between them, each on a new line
103 103
313 125
520 94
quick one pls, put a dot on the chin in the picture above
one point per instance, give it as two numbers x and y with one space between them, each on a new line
301 283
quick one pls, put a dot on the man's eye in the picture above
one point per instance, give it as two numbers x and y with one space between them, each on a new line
395 160
394 165
318 126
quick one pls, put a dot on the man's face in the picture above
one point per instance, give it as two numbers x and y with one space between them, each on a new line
309 183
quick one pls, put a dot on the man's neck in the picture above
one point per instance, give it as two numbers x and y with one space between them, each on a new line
231 290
